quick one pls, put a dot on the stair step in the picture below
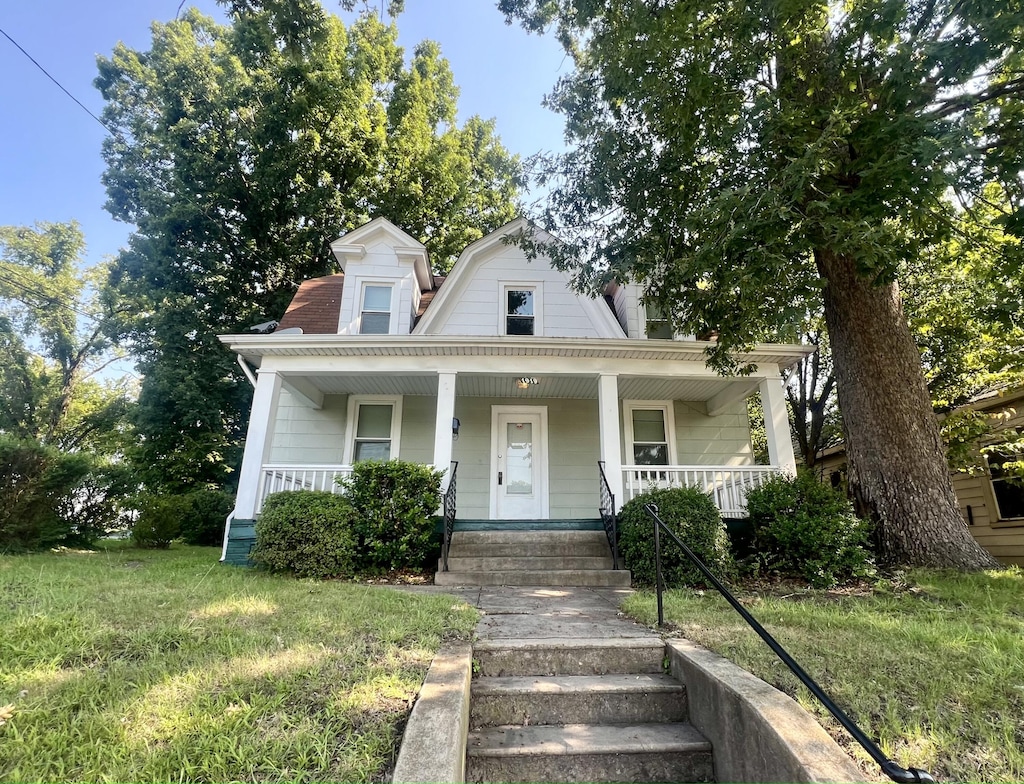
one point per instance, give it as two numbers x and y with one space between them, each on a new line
569 656
589 752
582 578
491 563
585 699
521 537
529 548
580 524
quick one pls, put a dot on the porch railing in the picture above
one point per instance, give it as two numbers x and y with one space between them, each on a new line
727 485
449 515
608 516
283 477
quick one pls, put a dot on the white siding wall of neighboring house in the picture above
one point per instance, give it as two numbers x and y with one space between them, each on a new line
479 307
380 265
303 434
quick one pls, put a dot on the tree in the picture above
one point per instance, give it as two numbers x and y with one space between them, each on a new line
240 152
749 160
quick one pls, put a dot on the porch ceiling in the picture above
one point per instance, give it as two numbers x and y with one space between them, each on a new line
547 386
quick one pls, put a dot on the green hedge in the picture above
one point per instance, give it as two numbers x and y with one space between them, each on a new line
694 518
308 533
804 528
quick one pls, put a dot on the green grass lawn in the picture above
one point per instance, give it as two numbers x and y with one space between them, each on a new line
133 665
931 665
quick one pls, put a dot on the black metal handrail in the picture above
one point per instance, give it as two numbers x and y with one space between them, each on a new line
449 516
889 768
608 516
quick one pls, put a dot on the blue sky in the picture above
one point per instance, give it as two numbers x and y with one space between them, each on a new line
50 162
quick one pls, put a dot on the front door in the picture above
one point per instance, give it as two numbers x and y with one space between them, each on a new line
519 471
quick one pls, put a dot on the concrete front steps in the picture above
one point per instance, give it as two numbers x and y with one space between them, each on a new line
580 710
543 556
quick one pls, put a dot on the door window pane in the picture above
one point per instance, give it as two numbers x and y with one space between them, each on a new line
519 458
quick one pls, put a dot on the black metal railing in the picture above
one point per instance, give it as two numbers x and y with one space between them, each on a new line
889 768
449 516
608 517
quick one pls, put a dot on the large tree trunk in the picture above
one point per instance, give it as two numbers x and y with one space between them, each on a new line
896 462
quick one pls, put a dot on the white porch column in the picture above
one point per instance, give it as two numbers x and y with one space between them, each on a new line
776 425
611 440
443 425
257 442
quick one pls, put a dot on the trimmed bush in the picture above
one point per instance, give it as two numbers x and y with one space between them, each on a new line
308 533
203 524
395 504
804 528
693 517
159 520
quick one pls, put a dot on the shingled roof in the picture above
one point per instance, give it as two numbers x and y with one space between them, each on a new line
316 306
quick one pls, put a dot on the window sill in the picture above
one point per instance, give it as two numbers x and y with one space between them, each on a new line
1017 522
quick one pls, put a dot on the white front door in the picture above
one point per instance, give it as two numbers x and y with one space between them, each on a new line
519 465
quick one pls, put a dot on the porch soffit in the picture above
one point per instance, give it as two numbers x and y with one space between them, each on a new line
582 387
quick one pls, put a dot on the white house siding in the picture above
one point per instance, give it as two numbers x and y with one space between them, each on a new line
418 415
303 434
719 440
478 309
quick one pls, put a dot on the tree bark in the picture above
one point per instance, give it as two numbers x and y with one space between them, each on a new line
896 462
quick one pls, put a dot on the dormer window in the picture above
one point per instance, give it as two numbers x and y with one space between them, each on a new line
375 312
520 313
658 327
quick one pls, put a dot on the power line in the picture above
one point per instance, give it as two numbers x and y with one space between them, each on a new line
54 80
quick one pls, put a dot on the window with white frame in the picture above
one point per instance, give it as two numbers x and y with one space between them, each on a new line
650 436
657 327
1007 485
374 424
375 309
520 310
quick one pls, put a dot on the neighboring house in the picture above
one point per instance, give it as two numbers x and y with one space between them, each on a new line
502 368
990 502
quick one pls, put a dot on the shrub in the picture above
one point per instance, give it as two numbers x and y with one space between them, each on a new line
203 524
308 533
159 520
395 504
693 517
35 483
804 528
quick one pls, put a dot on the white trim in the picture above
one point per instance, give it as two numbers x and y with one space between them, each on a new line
776 424
443 436
534 286
668 410
610 432
541 438
354 401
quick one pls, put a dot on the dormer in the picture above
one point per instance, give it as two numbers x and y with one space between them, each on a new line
639 319
386 274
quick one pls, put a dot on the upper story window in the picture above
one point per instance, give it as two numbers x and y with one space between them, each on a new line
520 317
658 327
375 310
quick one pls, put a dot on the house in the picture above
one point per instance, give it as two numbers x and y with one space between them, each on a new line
526 392
991 503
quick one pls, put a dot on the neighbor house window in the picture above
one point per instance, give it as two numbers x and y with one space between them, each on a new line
658 327
649 433
1007 485
375 313
520 318
374 426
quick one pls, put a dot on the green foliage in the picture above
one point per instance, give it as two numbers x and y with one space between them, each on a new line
307 533
36 482
693 517
203 524
395 503
274 133
804 528
159 520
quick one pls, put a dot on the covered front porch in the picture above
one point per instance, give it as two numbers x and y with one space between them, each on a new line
530 424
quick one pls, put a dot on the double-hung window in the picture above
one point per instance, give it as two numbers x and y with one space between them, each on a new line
520 313
649 433
375 309
374 427
658 327
1007 487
